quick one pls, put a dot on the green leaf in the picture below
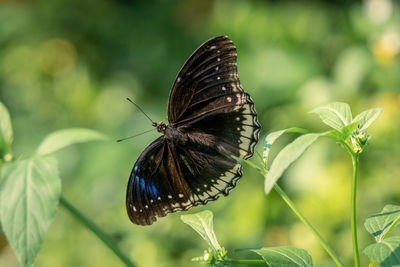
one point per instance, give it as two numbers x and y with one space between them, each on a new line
286 156
202 223
285 256
335 135
29 194
6 133
336 115
349 129
63 138
380 224
367 117
270 139
386 253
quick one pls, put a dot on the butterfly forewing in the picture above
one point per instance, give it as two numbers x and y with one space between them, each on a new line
211 66
212 119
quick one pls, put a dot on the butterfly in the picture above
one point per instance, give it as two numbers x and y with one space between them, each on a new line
211 118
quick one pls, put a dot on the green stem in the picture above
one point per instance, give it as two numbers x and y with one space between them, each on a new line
302 218
253 262
354 159
371 263
107 240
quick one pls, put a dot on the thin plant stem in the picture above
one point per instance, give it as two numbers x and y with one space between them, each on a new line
252 262
89 224
371 263
302 218
313 230
354 159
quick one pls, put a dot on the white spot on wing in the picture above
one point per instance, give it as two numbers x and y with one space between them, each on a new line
180 195
229 99
176 205
169 196
218 59
223 88
178 79
186 203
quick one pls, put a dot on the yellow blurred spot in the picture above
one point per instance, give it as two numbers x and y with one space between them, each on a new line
8 157
57 56
386 47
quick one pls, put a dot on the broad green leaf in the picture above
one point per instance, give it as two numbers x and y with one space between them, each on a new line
386 253
202 223
285 256
335 135
6 133
381 223
286 156
336 115
367 117
29 194
349 129
270 139
63 138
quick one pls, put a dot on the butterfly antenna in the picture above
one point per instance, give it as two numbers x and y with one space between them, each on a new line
152 122
129 137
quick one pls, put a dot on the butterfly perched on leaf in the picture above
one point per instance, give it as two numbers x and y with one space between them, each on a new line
211 118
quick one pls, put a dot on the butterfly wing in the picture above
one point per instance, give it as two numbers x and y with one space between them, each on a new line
208 103
207 97
156 186
210 66
168 178
208 172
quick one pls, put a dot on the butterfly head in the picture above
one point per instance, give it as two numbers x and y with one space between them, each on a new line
161 127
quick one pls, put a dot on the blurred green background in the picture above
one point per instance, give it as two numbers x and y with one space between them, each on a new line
72 63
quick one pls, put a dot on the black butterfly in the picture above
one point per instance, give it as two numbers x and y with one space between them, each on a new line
210 118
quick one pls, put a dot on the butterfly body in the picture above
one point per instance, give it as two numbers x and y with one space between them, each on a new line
211 119
171 134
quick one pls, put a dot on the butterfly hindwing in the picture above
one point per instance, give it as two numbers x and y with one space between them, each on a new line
208 172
